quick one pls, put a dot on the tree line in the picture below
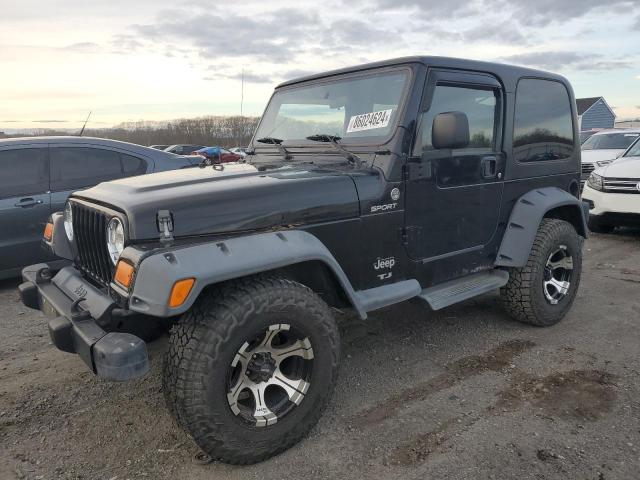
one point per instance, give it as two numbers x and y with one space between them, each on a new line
209 131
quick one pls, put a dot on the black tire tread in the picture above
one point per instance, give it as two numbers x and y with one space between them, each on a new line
517 297
209 323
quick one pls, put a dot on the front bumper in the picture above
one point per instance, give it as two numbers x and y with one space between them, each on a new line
607 202
77 310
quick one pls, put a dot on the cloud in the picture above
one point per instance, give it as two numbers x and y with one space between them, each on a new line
500 33
274 36
567 60
49 121
249 77
433 8
83 47
545 12
531 13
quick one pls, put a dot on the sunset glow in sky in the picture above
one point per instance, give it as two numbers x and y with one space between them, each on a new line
153 60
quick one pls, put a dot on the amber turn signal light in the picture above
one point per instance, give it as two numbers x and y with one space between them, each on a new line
180 291
48 231
124 273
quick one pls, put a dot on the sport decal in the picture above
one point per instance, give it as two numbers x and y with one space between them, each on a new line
369 121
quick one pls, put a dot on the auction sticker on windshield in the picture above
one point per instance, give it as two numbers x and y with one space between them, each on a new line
369 121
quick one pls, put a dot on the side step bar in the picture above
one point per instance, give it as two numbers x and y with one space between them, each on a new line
455 291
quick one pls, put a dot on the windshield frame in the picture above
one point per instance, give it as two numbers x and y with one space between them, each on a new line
357 74
626 152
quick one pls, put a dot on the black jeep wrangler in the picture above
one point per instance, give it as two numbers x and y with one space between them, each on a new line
431 178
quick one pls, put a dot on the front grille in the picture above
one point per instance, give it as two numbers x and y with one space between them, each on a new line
90 234
622 185
587 168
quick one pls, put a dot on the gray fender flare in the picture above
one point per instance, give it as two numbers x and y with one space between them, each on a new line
60 243
221 260
525 219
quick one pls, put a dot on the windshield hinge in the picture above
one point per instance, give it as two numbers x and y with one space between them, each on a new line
164 221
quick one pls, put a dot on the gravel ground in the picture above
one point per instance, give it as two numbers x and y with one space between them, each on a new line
462 393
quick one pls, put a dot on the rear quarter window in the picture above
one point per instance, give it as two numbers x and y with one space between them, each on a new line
543 123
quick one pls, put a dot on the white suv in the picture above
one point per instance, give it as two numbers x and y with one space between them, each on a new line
613 192
604 147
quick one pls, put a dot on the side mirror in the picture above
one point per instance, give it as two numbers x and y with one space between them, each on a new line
450 130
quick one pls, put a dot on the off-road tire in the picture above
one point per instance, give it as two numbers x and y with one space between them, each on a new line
523 296
597 226
204 342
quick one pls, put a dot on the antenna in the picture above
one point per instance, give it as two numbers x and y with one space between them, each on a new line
85 124
241 92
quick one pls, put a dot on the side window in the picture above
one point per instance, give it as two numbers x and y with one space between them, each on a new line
480 106
543 124
79 167
23 171
133 165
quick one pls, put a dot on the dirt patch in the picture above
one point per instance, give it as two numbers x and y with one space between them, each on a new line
495 360
577 394
419 448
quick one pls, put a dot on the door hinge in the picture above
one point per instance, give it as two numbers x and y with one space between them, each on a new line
409 233
164 221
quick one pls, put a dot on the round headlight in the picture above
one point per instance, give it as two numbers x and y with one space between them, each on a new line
68 221
115 239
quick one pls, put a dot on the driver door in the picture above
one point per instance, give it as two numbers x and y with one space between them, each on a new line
453 196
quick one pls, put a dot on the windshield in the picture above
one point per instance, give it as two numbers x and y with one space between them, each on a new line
611 141
351 108
634 151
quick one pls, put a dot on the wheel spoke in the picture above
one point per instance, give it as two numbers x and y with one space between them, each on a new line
301 348
561 287
565 262
271 334
262 413
232 396
295 389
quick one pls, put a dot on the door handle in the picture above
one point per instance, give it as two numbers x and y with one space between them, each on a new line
28 202
488 167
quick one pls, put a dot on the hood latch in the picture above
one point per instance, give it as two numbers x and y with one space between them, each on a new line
164 221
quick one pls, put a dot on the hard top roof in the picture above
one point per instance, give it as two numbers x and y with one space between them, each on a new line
502 70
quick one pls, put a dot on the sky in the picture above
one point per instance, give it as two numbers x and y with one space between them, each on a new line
130 60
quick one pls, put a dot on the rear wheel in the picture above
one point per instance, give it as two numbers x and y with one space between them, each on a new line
542 292
251 367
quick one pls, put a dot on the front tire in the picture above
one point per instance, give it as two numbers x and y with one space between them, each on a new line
251 367
542 292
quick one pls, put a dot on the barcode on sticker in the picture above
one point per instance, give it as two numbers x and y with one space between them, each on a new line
369 121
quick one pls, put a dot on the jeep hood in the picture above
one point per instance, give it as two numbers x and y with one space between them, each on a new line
238 198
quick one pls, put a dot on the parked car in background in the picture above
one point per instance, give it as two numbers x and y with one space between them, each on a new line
183 149
38 174
613 192
218 154
238 151
159 147
586 134
604 146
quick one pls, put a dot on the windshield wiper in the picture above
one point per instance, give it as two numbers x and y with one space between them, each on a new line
278 143
334 140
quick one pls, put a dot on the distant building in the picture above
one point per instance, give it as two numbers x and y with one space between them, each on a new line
595 112
628 123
